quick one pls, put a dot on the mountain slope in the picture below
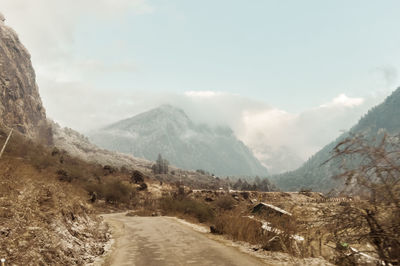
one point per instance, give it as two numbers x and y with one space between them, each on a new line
312 174
20 104
43 220
169 131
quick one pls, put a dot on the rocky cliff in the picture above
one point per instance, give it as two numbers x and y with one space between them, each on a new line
20 104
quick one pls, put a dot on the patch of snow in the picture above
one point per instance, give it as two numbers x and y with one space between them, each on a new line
267 226
196 227
276 208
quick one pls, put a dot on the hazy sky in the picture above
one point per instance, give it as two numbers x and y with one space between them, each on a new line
270 65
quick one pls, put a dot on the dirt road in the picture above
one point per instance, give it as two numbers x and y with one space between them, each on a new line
164 241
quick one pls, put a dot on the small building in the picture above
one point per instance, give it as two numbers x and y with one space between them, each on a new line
266 209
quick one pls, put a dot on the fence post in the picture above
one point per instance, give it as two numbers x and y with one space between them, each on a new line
2 150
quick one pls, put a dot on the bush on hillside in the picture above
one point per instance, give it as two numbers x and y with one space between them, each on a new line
187 206
225 203
112 192
137 177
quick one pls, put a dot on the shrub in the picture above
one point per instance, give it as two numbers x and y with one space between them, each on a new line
108 169
63 176
187 206
112 192
245 194
240 228
42 161
143 186
116 191
225 203
137 177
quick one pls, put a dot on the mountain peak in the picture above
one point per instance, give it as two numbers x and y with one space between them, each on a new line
168 109
167 130
160 117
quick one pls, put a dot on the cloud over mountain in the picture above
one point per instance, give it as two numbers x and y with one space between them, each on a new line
277 137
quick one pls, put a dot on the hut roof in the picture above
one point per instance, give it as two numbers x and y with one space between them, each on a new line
270 206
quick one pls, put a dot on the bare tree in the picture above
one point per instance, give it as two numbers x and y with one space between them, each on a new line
371 168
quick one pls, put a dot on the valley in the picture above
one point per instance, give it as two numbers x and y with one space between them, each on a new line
189 177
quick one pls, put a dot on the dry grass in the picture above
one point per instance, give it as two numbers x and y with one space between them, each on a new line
113 191
225 203
109 184
240 228
243 228
186 206
40 217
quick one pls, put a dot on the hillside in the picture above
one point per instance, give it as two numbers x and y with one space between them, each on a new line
316 175
79 146
43 220
169 131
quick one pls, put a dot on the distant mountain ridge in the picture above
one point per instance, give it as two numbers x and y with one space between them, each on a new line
316 175
167 130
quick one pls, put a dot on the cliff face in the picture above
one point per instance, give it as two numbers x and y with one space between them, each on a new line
20 104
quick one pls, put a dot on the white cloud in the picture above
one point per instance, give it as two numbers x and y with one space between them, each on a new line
344 100
202 94
302 134
48 29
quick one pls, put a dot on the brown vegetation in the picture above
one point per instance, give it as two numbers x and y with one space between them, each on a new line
113 191
45 211
329 226
186 206
225 203
377 177
44 221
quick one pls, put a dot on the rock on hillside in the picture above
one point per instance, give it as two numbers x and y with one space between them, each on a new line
315 175
170 132
20 104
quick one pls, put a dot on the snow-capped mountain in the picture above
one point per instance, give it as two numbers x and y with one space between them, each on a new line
168 131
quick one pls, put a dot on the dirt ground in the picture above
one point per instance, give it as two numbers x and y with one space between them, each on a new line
164 241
